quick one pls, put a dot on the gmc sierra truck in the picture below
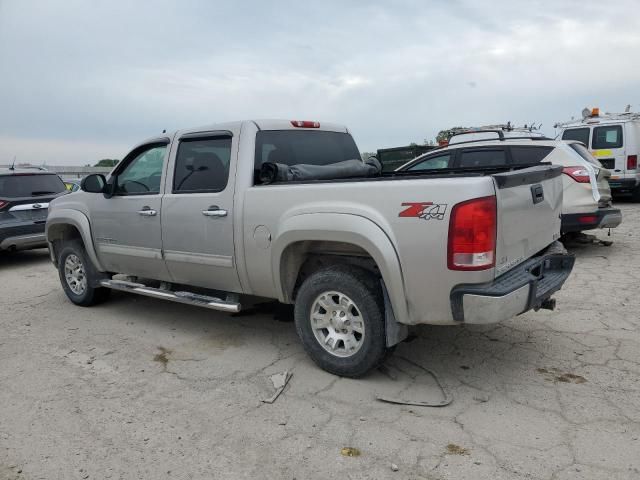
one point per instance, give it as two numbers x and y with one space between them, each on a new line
189 217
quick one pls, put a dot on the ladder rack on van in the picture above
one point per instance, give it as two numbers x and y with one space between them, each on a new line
625 116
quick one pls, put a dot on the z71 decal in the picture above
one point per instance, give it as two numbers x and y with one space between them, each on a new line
424 210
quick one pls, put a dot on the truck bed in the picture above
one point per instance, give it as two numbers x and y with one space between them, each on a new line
419 241
442 173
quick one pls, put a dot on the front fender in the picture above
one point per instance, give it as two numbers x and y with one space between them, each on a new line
347 228
65 216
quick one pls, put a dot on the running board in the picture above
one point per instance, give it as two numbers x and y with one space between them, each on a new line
189 298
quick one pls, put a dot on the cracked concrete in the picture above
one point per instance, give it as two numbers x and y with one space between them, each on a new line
140 388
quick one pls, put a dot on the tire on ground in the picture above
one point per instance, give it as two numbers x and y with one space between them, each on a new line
91 295
365 291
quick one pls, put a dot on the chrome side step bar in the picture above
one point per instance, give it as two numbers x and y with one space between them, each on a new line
189 298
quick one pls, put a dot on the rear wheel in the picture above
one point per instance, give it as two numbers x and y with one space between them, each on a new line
339 317
78 276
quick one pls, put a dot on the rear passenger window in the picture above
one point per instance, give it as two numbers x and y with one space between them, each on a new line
202 165
482 158
579 134
432 163
529 155
607 137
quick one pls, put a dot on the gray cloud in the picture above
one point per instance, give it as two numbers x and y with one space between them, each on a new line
83 80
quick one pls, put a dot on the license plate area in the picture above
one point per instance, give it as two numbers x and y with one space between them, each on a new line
39 215
608 163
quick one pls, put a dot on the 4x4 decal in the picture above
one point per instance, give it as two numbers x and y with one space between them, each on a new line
424 210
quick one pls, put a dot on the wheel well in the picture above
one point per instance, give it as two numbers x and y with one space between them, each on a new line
301 259
60 233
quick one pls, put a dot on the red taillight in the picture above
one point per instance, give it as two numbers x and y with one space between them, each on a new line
632 162
472 235
305 124
579 174
3 204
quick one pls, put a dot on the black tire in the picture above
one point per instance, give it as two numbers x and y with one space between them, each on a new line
635 196
90 295
365 292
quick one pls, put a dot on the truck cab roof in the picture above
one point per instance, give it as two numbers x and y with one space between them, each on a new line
261 124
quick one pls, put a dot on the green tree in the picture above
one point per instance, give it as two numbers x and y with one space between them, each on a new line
107 162
445 135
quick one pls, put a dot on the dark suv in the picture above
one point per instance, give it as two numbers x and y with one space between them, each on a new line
24 202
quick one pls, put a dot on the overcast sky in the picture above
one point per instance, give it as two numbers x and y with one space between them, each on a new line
80 81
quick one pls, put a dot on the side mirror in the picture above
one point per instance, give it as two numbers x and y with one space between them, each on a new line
93 183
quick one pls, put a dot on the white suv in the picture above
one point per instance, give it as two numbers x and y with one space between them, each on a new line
586 192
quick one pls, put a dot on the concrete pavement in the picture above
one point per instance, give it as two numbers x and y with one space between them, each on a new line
138 388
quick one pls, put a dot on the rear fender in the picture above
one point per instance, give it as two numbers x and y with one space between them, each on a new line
346 228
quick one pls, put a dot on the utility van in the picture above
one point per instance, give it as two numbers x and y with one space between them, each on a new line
614 139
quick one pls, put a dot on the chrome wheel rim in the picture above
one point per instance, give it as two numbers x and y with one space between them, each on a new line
337 324
74 274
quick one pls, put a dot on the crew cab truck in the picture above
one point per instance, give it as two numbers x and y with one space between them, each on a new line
184 217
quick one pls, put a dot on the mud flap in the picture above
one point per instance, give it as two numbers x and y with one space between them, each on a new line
395 332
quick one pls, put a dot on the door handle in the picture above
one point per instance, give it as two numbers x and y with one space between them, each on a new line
537 193
147 212
214 211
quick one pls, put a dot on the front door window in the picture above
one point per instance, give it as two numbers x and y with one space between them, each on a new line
142 175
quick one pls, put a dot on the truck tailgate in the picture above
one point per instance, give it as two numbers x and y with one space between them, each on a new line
529 207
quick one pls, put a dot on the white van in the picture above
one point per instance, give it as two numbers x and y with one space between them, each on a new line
614 139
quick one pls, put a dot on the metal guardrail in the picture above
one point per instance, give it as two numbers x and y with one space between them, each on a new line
68 170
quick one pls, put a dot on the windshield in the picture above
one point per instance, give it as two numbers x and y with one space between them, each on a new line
30 185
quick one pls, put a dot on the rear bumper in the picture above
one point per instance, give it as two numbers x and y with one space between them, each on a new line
529 285
623 185
601 218
22 235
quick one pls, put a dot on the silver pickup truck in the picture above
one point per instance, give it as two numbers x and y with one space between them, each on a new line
186 217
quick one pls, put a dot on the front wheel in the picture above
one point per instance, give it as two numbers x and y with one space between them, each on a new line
78 275
339 315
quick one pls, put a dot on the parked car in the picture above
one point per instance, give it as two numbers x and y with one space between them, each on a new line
614 139
361 258
586 200
73 185
24 199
